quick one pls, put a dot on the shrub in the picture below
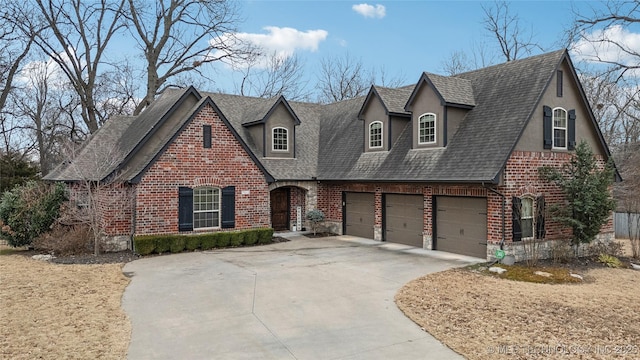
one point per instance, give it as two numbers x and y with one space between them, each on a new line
65 240
605 247
316 217
178 243
163 244
265 236
610 261
251 237
29 210
144 245
236 238
561 251
223 239
208 242
193 242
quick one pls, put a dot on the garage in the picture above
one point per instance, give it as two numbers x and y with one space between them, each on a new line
461 225
403 219
359 214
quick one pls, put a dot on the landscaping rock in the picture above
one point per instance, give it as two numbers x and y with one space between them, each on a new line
577 276
42 257
543 273
496 269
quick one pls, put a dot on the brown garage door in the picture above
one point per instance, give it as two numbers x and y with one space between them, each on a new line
403 217
461 225
359 214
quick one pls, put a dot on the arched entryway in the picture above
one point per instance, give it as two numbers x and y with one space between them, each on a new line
288 208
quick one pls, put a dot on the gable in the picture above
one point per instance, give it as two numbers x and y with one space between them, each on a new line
375 111
280 117
427 101
532 138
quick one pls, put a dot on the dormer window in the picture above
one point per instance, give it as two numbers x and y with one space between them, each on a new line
559 128
427 129
280 139
375 135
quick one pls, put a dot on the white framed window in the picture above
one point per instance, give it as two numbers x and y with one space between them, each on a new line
427 128
559 128
206 207
280 139
375 135
526 218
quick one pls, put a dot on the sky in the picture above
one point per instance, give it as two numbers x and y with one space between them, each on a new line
402 38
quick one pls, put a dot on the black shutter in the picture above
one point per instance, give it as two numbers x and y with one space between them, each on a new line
229 207
548 127
185 209
571 131
516 210
540 231
206 136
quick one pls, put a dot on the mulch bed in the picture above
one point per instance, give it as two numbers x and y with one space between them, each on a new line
319 235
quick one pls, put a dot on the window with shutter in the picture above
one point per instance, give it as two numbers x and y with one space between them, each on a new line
559 128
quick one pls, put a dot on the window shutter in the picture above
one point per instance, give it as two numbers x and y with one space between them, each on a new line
185 209
571 125
548 127
516 210
540 230
229 207
206 136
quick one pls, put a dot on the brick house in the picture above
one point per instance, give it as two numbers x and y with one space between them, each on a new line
449 163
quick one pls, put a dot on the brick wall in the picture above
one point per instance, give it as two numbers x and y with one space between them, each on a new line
187 163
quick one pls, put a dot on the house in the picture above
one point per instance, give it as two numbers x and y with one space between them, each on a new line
449 163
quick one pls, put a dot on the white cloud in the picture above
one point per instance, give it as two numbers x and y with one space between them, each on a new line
601 44
378 11
281 41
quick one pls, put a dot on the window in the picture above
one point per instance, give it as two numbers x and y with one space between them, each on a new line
280 139
559 128
427 129
526 218
375 135
206 207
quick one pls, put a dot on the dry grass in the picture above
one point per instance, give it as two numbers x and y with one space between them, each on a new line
485 317
50 311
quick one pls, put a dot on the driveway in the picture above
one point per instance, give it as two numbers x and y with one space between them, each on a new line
328 298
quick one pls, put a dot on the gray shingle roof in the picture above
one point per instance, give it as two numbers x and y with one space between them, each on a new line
330 140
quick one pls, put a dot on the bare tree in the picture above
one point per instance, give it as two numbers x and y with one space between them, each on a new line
179 36
456 63
506 28
272 75
343 78
77 35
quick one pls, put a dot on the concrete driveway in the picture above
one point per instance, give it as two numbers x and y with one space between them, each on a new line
329 298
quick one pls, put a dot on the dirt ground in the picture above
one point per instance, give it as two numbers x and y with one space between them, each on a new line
54 311
484 317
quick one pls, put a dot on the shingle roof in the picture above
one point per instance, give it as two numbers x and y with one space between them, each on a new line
505 97
329 138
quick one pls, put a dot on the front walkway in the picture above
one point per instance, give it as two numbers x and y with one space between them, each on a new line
329 298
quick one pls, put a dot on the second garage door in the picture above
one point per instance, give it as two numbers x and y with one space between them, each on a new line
461 225
404 216
359 214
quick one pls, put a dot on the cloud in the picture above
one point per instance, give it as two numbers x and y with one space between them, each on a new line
613 44
378 11
281 41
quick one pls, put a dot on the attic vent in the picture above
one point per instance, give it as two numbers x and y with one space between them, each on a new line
206 136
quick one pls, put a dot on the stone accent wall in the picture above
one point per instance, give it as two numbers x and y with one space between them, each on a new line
186 162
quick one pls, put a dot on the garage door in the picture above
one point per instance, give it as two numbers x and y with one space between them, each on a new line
359 214
403 215
461 225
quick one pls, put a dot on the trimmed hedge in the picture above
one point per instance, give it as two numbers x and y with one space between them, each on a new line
148 244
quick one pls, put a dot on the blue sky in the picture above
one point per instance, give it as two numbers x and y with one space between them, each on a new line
402 37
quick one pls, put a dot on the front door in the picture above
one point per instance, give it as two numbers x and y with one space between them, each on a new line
280 209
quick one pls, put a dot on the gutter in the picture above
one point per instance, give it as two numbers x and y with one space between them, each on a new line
504 200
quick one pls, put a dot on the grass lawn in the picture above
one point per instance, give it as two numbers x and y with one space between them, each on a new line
53 311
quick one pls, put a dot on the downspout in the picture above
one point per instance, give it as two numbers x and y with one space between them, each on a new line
504 200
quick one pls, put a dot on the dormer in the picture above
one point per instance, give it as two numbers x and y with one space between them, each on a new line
384 117
275 132
437 106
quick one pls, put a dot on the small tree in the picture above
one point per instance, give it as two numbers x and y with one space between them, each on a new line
588 200
315 217
29 210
